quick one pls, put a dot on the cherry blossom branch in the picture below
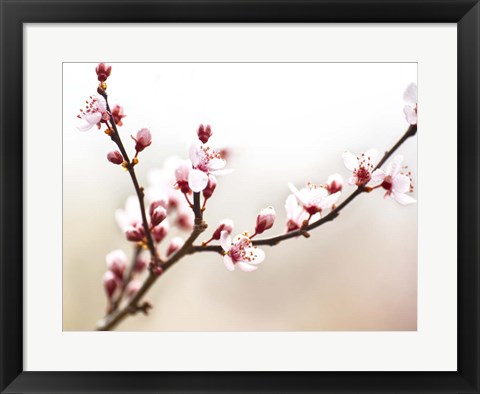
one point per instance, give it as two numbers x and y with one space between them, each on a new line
133 307
127 278
115 136
411 131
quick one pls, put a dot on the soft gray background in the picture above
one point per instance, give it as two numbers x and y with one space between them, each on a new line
283 122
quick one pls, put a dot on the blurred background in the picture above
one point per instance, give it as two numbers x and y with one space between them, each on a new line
281 122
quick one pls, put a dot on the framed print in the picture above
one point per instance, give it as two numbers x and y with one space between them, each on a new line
236 196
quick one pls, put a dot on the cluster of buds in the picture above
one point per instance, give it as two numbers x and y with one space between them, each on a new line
114 276
103 71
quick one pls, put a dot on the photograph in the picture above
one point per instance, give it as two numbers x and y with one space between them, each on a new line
240 197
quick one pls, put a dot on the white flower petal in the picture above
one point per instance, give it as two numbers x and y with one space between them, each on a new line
401 183
227 261
225 241
299 196
197 180
101 103
410 96
377 176
195 153
402 198
352 180
246 267
84 126
350 161
221 172
394 166
330 200
372 156
291 206
410 114
258 255
216 163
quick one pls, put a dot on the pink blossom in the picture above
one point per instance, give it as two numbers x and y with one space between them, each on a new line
132 288
205 161
158 215
334 183
265 220
211 185
185 218
94 113
162 202
225 225
117 262
115 157
314 199
142 140
296 215
175 244
110 284
160 232
240 252
103 71
135 233
204 133
130 215
362 167
118 114
411 98
396 183
181 175
141 262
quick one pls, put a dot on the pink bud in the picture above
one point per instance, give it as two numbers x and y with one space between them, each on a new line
181 175
141 263
132 288
175 244
158 216
265 220
115 157
225 225
118 115
135 233
143 139
334 183
109 283
157 203
103 71
211 185
117 262
204 133
185 220
160 232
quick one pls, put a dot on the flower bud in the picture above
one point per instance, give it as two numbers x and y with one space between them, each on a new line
204 133
143 139
141 263
225 225
185 220
157 203
181 175
115 157
334 183
175 244
265 220
211 185
109 283
132 288
118 115
135 233
117 262
103 71
158 216
160 232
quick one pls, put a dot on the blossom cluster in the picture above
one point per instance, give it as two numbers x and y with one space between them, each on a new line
172 195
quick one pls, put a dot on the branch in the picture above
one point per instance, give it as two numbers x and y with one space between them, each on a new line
114 318
411 131
138 189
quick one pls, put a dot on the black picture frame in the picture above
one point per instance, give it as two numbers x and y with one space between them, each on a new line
14 13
